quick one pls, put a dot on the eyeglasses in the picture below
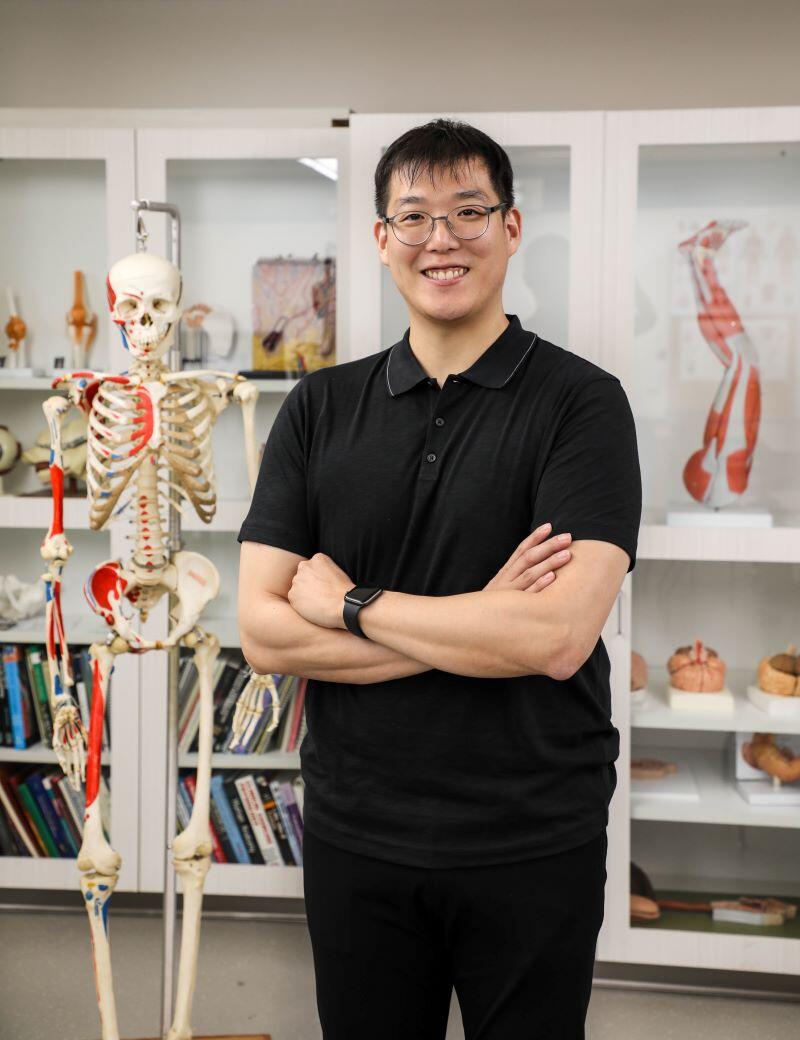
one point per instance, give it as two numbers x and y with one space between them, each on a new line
414 227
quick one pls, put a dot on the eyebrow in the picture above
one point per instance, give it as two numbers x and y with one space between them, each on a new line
467 193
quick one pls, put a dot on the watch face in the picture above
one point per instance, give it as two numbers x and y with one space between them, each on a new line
362 594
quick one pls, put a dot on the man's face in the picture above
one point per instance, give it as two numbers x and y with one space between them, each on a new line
485 258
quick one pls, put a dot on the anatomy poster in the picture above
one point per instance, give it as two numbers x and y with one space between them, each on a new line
294 315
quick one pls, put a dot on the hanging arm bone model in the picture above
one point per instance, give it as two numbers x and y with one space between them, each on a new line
149 431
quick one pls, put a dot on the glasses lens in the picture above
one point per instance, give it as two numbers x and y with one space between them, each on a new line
412 228
468 221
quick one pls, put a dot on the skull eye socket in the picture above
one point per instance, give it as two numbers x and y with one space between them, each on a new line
127 308
161 306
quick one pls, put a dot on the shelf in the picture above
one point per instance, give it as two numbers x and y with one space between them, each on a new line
80 629
655 712
228 760
245 879
719 801
30 872
35 512
39 753
779 544
41 383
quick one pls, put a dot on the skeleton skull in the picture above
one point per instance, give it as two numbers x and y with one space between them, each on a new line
144 294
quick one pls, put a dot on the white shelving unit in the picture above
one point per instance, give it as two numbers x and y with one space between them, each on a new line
666 175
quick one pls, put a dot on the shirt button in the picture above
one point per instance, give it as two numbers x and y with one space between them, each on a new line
456 379
439 420
431 457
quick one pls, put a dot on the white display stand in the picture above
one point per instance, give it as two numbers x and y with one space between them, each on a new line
768 792
695 514
640 696
685 700
678 786
774 704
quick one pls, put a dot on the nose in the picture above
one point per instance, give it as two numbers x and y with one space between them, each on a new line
441 234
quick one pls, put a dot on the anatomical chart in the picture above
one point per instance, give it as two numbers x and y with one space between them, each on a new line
294 315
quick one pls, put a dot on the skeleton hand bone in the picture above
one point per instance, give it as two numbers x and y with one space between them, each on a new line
69 741
251 705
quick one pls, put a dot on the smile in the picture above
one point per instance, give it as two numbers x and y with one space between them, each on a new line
445 276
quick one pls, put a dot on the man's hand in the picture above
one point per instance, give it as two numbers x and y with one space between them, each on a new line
317 591
533 564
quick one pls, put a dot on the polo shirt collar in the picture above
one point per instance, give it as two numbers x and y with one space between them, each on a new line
494 368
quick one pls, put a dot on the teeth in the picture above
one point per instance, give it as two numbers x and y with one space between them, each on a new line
445 275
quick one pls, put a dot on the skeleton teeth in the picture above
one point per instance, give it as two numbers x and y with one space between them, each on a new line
445 275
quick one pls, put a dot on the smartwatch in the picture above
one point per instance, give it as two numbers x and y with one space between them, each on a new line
359 596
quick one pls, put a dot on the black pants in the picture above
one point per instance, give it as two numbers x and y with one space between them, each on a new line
517 940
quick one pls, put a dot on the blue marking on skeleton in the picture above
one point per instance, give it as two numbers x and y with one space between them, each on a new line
105 917
124 341
48 591
52 456
58 684
103 888
88 897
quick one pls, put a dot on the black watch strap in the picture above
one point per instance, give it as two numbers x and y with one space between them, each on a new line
356 598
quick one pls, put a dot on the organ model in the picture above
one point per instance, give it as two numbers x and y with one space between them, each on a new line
149 429
717 474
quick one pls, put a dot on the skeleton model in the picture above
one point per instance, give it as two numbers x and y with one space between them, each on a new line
717 474
141 425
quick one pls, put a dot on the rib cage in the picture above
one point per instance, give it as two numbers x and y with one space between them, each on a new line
144 431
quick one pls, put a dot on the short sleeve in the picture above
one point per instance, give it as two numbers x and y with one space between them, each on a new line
590 483
278 512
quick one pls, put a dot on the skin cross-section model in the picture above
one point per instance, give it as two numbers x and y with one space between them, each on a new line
149 430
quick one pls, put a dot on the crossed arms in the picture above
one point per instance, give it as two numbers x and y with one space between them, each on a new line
496 632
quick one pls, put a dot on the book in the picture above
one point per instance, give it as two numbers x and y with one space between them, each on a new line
51 821
17 818
279 795
262 829
272 813
223 721
6 736
190 785
21 733
34 817
8 844
225 811
220 828
287 790
242 821
41 693
71 843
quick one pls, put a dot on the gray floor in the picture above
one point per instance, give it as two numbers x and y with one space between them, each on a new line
257 976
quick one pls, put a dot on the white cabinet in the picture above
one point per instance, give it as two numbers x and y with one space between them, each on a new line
668 174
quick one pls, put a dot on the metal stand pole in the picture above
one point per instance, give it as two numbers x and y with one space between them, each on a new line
170 815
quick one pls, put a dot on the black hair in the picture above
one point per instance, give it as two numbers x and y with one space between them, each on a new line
442 144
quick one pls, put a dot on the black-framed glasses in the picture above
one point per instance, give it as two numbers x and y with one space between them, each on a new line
414 227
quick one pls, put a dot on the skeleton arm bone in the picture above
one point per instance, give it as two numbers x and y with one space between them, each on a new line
69 735
246 393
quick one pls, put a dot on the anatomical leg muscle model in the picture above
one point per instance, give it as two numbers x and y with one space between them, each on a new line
149 429
717 474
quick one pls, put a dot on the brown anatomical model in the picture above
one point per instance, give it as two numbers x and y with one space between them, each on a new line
638 671
763 753
696 669
780 674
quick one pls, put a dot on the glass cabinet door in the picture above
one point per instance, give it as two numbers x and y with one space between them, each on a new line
700 322
552 279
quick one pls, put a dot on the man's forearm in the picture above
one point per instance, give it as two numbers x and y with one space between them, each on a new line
275 638
491 633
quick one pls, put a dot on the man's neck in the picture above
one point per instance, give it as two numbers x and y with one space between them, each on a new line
443 347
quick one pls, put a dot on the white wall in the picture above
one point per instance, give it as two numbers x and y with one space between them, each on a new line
411 55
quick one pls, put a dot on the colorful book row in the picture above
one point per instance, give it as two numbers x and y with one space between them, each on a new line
41 814
255 817
25 694
229 677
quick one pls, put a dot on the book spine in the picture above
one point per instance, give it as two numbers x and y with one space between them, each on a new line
75 803
6 736
23 832
241 818
277 794
227 708
190 783
11 670
60 811
219 827
295 818
235 838
35 819
248 792
267 802
36 787
42 695
8 844
184 806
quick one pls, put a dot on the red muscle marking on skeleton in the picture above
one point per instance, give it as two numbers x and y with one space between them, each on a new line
95 736
719 471
145 423
104 588
57 484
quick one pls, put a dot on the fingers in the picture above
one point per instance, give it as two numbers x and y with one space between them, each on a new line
535 554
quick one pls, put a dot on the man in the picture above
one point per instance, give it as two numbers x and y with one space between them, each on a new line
459 755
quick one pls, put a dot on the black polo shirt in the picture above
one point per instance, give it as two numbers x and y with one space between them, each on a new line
428 491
